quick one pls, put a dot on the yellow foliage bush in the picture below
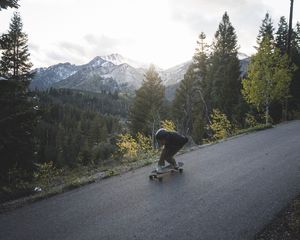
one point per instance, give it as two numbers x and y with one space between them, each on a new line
133 149
128 146
220 125
168 125
144 143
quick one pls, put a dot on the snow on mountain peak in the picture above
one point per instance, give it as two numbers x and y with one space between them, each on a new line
97 61
242 56
118 59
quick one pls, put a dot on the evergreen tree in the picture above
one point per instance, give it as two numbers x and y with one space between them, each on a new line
200 57
15 63
224 70
201 65
296 38
282 35
294 105
278 111
4 4
266 30
85 155
18 114
183 103
17 120
145 114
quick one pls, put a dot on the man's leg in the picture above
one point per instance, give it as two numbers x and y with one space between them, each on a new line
162 158
169 156
172 151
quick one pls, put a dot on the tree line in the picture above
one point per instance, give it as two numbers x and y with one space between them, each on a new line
73 130
214 87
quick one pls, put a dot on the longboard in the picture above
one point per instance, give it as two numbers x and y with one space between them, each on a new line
166 170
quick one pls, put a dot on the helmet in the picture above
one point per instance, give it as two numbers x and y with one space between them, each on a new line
160 134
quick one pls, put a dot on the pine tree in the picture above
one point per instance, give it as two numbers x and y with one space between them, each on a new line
296 38
282 35
224 70
18 114
294 105
145 114
17 120
184 102
4 4
15 63
201 65
200 57
266 30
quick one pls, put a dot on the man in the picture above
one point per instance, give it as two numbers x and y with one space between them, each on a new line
172 142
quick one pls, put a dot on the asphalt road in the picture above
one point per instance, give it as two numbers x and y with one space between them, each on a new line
229 190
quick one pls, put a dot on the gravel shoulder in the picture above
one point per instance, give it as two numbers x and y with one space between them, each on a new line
285 226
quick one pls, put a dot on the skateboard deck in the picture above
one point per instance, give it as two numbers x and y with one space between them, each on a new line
166 170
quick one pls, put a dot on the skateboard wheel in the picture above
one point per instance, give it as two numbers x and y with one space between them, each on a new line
180 170
160 179
151 177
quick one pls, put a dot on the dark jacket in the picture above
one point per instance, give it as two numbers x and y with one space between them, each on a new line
174 139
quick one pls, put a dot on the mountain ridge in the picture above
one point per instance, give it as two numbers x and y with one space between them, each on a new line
110 73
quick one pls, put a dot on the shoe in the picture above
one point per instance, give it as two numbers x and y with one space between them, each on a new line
159 169
176 166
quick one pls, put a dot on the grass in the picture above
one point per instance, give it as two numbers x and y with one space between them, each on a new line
256 128
68 180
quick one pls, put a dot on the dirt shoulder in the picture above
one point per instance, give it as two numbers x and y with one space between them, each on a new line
285 226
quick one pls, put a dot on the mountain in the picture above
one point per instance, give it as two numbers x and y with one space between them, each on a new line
110 73
100 75
175 74
118 59
244 63
172 77
46 77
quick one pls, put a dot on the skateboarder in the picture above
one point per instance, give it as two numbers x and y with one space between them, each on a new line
172 142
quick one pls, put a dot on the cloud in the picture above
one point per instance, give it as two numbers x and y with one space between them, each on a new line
101 45
71 47
79 51
33 47
205 16
101 41
73 53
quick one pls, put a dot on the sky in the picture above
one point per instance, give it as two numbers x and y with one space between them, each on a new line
162 32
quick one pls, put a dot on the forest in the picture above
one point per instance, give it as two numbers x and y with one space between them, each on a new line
73 128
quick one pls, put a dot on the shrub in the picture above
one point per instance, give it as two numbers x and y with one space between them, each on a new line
127 146
132 149
250 120
168 125
46 173
220 125
144 143
102 151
